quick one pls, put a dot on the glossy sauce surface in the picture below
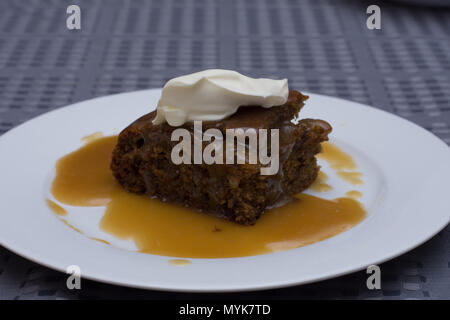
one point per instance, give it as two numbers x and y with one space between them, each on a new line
342 162
83 178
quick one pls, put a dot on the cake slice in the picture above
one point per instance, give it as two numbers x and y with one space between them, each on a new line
142 163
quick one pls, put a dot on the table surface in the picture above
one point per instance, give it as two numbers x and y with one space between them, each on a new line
320 46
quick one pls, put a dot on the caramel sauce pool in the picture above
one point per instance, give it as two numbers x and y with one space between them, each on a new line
83 178
340 161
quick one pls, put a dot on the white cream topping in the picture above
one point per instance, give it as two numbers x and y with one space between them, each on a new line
215 94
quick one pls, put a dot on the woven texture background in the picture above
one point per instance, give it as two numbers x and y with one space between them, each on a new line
321 46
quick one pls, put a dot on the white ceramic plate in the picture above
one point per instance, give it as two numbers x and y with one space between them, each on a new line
406 173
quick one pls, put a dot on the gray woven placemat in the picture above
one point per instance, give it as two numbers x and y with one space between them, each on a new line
321 46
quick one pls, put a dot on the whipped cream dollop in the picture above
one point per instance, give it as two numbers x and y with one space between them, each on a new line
216 94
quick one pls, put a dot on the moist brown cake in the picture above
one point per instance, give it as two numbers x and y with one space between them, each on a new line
142 163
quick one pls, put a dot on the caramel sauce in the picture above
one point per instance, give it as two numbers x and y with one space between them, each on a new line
179 262
56 208
352 177
83 178
319 184
354 194
67 223
92 137
100 240
341 162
